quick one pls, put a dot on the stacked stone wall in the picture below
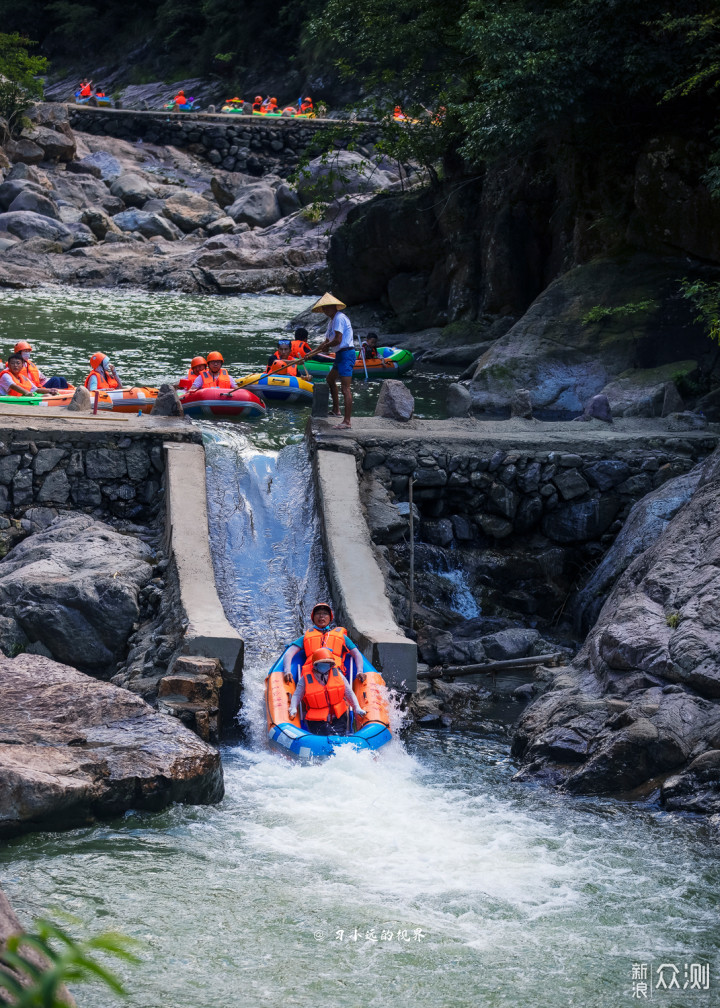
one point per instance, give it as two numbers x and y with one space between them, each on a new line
235 143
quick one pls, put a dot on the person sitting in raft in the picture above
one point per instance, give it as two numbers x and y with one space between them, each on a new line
278 360
269 106
306 106
323 635
103 376
197 366
214 375
257 104
325 695
179 98
34 373
99 91
299 346
85 89
14 381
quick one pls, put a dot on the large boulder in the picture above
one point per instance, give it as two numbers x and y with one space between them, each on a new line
76 749
55 146
565 352
257 206
395 401
38 203
13 187
338 174
74 588
148 224
132 189
25 225
645 391
190 211
642 699
25 150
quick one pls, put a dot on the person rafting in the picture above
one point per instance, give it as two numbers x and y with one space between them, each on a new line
322 634
179 98
34 373
269 106
85 89
299 346
214 375
257 104
14 381
197 366
278 361
325 695
104 376
306 106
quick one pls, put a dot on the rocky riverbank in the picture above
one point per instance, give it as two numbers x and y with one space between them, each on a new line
100 212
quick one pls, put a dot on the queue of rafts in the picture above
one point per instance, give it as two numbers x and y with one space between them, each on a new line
208 389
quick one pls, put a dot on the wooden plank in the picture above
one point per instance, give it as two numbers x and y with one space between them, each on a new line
48 413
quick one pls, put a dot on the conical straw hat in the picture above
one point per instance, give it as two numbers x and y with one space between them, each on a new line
327 301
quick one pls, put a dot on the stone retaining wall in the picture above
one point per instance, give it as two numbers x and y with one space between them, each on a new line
235 143
468 496
104 473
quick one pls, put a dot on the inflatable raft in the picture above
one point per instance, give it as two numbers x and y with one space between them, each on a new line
132 400
391 362
237 404
278 389
60 401
291 736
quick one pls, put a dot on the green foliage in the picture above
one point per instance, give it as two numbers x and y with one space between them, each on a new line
18 77
705 297
68 961
673 620
598 313
314 212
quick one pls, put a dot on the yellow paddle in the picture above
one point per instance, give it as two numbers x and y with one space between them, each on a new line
251 379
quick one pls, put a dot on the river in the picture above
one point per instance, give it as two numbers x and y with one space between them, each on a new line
424 877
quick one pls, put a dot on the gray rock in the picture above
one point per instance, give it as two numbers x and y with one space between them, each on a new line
25 225
132 189
55 146
12 638
148 224
46 459
512 643
9 465
83 168
458 400
99 223
82 400
102 165
167 403
77 602
12 188
103 464
223 225
438 533
607 473
190 211
686 421
83 749
582 521
24 150
529 513
695 789
570 484
672 400
494 526
504 499
643 392
521 404
395 401
257 206
55 488
385 522
288 199
340 173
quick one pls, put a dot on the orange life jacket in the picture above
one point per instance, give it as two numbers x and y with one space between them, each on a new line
333 639
180 99
323 700
298 348
306 107
287 368
86 91
22 380
219 380
32 372
257 106
103 382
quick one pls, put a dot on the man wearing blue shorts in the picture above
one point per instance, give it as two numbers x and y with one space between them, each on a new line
338 337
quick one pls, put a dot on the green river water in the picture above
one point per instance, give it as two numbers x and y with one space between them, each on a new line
424 877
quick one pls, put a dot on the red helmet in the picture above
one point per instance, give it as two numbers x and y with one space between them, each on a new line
96 360
323 654
215 356
321 605
198 362
258 97
21 345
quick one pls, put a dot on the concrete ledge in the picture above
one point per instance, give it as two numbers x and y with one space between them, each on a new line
356 582
208 634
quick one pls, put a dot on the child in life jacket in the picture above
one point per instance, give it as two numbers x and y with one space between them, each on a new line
325 695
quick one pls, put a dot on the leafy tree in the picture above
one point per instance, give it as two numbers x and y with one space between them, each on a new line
19 72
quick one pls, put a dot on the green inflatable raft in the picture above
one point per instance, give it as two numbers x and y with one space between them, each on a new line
390 362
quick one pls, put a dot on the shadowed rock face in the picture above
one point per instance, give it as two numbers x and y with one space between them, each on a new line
641 699
73 749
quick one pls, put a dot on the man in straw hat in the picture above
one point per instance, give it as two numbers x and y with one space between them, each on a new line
338 337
